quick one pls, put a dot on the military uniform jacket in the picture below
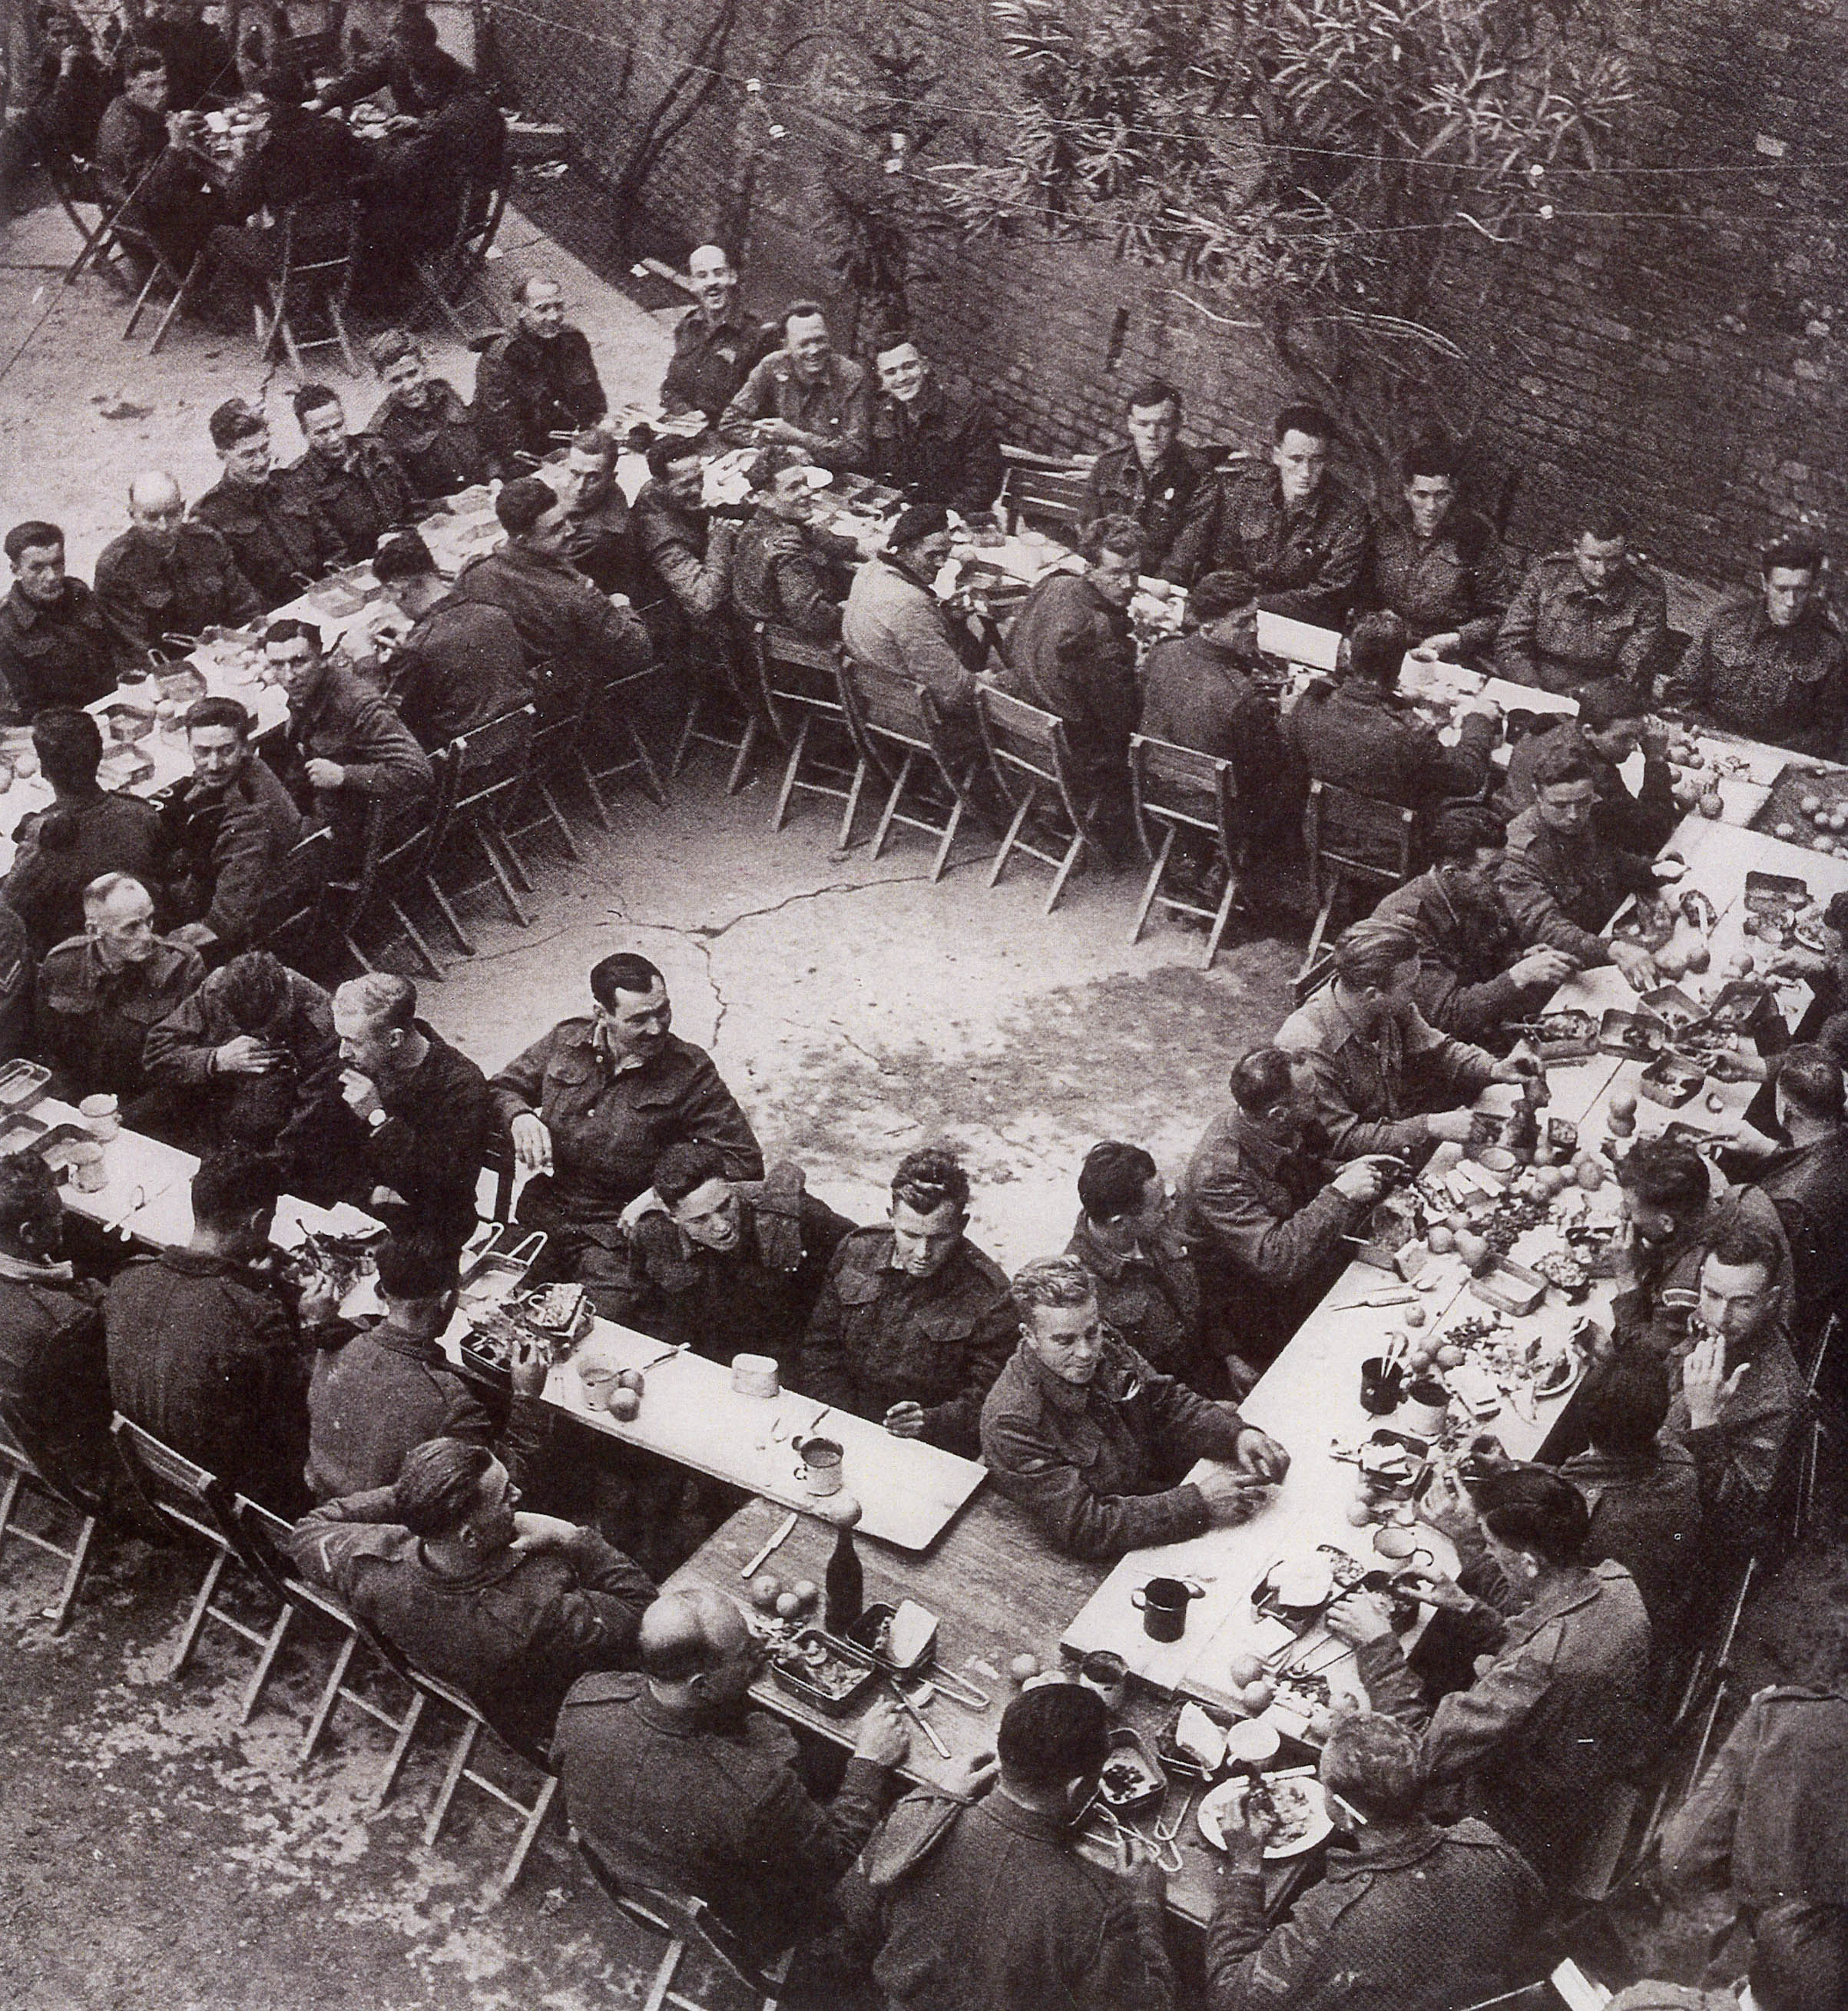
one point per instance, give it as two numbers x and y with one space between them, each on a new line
62 850
54 1369
1789 686
835 409
1158 498
710 363
362 497
1361 737
1151 1298
94 1023
229 849
527 388
1465 946
939 449
778 576
1450 583
436 443
1563 892
60 655
1306 558
1559 634
276 532
198 586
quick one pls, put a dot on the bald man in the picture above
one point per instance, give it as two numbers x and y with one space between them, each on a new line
717 345
678 1784
164 576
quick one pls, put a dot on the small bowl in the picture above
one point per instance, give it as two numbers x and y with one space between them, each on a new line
1253 1739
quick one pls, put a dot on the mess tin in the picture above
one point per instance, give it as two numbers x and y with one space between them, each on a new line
1163 1602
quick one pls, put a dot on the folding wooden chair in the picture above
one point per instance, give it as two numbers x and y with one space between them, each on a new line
1350 838
447 274
400 838
289 923
799 684
320 244
684 1922
161 270
1178 789
719 686
612 719
1043 490
1033 769
557 743
903 735
77 187
175 1491
490 764
22 1477
265 1536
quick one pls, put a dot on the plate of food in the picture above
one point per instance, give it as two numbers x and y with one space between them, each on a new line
1292 1808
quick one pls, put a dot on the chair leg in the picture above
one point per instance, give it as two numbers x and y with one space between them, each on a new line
695 706
1219 921
662 1983
599 810
851 809
134 314
195 1619
741 766
340 335
517 1862
177 302
441 901
464 1746
394 1760
494 838
892 804
74 1578
415 939
1013 833
505 884
949 838
558 818
651 775
780 816
1073 852
289 344
1315 933
1153 886
273 1647
330 1700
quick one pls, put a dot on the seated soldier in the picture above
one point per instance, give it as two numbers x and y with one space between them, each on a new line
276 532
932 447
254 1049
510 1607
537 380
16 980
55 648
1267 1213
726 1266
231 825
685 554
1301 535
145 163
165 577
54 1363
1612 724
66 95
591 1106
1383 1079
101 992
422 1117
1093 1442
784 571
1772 665
717 345
1361 736
804 395
423 422
1561 879
88 831
1153 477
347 746
354 479
1807 1181
1474 978
577 635
1438 566
211 1354
913 1322
198 58
894 622
463 663
455 152
598 540
1587 613
1127 1237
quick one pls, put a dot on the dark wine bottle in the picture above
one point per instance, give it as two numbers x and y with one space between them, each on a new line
845 1586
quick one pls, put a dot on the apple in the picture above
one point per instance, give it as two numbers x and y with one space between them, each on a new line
806 1590
1023 1668
1450 1356
1591 1174
1257 1697
625 1406
842 1510
1699 957
767 1589
1711 806
1416 1316
1245 1668
1439 1240
1359 1513
788 1605
1623 1104
632 1378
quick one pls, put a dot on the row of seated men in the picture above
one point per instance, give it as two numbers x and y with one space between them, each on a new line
1573 1581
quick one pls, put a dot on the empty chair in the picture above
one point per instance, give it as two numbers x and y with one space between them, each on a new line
1033 769
558 745
1178 791
1043 492
724 712
1351 838
447 274
612 726
320 244
903 736
75 183
800 686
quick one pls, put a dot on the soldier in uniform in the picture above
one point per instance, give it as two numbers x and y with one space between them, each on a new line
354 479
423 422
936 448
1152 477
55 649
538 379
164 576
598 540
804 395
276 531
1438 566
781 569
1589 612
717 345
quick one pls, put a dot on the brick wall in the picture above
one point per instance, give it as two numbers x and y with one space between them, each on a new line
1678 351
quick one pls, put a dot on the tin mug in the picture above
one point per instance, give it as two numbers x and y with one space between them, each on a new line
598 1381
1163 1602
819 1471
1108 1674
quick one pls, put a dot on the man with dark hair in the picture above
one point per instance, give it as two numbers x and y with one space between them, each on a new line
1562 880
463 663
66 94
1093 1442
805 395
1612 724
678 1784
913 1322
423 421
685 554
1072 652
1772 665
511 1607
1266 1212
195 54
374 1397
254 1051
353 480
933 447
1152 477
1591 612
275 531
165 577
423 1118
1643 1491
598 540
1127 1237
893 621
1361 735
144 160
208 1352
99 993
987 1902
1383 1080
727 1266
1301 535
537 379
54 1366
1438 566
55 648
88 831
1473 976
591 1106
1460 1896
349 745
581 635
717 345
786 571
1807 1181
231 824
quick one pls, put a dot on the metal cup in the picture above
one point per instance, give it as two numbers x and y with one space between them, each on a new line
1163 1602
1382 1386
1108 1674
821 1469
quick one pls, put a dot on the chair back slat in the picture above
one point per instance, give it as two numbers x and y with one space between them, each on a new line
1049 494
889 703
1359 834
19 1444
491 759
173 1487
1022 735
1180 785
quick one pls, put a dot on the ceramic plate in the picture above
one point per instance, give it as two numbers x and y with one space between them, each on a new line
1301 1790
